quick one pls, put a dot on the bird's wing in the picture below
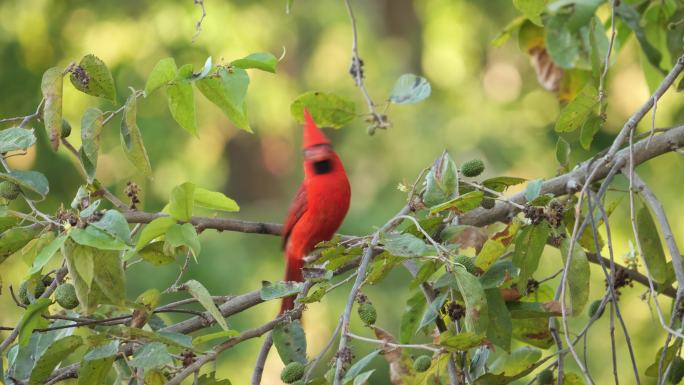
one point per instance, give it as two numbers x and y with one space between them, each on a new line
297 209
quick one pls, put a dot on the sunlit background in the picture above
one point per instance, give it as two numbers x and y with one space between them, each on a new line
485 103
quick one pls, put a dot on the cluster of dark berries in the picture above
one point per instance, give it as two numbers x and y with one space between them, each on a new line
356 68
555 213
620 280
535 214
66 216
79 74
132 190
532 285
557 239
455 310
188 358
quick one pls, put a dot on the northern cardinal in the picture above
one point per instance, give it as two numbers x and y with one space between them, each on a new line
318 207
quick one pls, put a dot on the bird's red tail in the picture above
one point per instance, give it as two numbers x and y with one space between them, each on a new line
293 273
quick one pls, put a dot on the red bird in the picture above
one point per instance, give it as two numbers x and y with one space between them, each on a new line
320 205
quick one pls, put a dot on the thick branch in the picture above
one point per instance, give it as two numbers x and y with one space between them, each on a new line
220 224
668 141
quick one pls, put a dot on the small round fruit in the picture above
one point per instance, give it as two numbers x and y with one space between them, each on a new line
545 377
367 313
676 370
467 262
9 190
66 129
487 203
292 372
472 168
23 294
594 307
422 363
66 296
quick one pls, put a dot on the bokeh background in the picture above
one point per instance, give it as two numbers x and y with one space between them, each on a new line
485 103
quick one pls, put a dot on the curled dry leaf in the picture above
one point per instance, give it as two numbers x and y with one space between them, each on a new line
549 75
393 357
471 236
510 294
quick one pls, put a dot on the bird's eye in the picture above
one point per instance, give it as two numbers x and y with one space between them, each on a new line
322 166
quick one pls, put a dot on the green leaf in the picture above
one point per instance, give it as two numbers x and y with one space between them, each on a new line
15 238
51 86
223 334
181 201
55 354
16 138
651 245
524 310
500 326
561 44
441 182
95 371
316 293
534 331
114 224
91 128
362 378
164 72
361 364
32 319
461 342
508 30
227 90
490 253
97 275
411 317
96 238
180 341
214 200
403 245
151 355
529 245
184 235
476 318
154 229
155 254
199 292
563 151
576 113
131 138
381 267
46 253
503 379
281 289
532 9
589 129
103 351
93 78
632 18
326 109
461 204
516 362
290 341
533 189
578 277
31 249
261 60
210 379
29 181
410 88
182 105
432 311
501 183
652 370
497 274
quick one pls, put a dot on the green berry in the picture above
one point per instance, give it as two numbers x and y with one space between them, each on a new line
66 129
9 190
676 370
292 372
66 296
472 168
367 313
467 262
545 377
594 307
23 294
487 203
422 363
